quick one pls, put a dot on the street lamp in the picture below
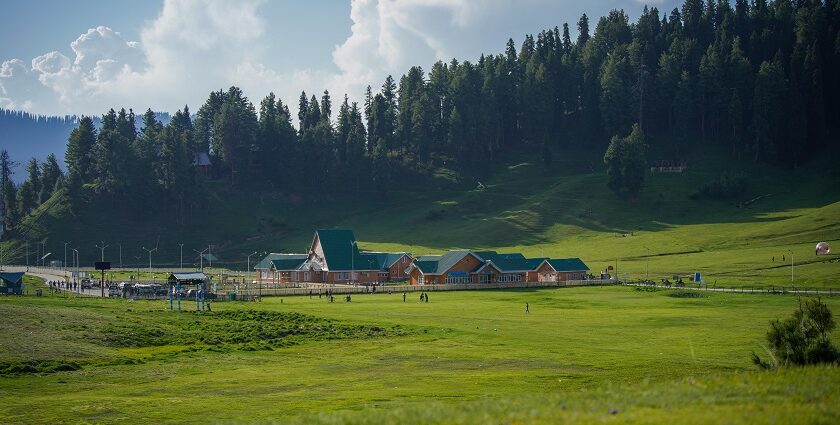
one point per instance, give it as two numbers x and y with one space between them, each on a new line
150 251
181 265
248 269
352 262
647 264
76 263
65 258
120 245
102 248
201 257
791 267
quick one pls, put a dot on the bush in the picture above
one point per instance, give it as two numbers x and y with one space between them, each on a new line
727 186
801 339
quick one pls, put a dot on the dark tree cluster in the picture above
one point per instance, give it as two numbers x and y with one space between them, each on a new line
755 77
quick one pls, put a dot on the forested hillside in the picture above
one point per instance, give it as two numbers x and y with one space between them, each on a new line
751 82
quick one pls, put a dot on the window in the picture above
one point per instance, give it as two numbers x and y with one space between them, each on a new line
342 276
421 280
458 279
306 276
510 277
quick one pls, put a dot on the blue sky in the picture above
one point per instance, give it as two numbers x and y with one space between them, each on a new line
85 56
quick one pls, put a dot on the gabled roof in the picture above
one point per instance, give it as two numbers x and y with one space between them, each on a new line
189 277
11 277
289 262
439 264
510 262
342 253
427 265
387 259
265 263
568 265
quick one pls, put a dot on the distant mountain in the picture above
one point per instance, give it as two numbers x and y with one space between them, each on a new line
26 135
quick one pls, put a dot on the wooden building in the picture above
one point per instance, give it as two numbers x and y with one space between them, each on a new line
466 266
333 257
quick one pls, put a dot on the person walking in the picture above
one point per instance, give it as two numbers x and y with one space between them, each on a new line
427 297
403 296
527 308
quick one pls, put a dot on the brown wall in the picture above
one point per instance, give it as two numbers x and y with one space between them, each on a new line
397 270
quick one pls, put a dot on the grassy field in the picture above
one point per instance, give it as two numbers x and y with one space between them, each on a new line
464 357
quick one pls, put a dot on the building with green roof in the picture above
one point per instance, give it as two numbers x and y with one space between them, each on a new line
467 266
334 257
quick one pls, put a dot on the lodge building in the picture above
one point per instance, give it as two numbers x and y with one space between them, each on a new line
334 257
466 266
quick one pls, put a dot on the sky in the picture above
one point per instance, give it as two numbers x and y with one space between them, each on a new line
86 56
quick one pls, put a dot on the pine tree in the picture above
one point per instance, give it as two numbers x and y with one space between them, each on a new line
79 156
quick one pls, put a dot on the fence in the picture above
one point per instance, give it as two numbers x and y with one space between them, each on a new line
795 290
252 292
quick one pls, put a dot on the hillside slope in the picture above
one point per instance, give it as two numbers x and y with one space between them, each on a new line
564 211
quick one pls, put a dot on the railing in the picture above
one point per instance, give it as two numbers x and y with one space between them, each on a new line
792 289
252 292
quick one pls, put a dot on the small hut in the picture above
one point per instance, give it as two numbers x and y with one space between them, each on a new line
11 283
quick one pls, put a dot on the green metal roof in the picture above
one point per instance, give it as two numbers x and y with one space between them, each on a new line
265 263
341 252
506 263
568 265
387 259
289 261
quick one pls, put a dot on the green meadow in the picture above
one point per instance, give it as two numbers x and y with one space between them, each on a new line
598 354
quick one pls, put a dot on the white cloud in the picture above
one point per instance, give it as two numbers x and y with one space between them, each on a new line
195 46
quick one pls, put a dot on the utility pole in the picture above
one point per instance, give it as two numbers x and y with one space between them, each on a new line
181 265
27 254
120 245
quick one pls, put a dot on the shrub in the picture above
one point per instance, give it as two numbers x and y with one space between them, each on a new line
727 186
802 338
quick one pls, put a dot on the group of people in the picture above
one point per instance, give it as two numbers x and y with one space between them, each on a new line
773 259
57 284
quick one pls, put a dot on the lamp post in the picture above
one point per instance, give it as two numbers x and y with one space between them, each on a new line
150 251
102 248
791 267
120 245
181 264
248 270
65 257
647 264
201 257
352 262
76 263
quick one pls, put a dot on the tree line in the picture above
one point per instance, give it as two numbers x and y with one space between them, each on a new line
757 78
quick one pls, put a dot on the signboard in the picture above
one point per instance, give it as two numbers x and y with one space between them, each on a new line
103 265
697 277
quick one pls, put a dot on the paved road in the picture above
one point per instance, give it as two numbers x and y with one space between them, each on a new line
53 275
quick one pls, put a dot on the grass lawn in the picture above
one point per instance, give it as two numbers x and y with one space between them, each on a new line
464 357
